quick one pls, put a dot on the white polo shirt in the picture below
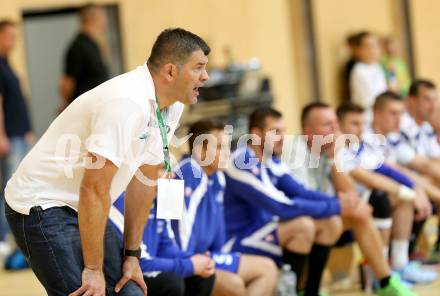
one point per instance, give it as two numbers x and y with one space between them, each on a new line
421 138
116 120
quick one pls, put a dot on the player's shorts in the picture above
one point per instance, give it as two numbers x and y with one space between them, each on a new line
227 261
259 240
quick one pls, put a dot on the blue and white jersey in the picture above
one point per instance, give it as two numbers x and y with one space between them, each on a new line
421 138
159 251
392 147
257 194
365 156
202 226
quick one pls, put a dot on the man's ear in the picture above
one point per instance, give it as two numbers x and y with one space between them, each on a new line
256 131
198 152
169 72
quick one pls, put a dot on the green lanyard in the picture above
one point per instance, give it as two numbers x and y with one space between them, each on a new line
163 134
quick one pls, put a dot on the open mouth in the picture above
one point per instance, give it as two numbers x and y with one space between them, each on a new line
196 91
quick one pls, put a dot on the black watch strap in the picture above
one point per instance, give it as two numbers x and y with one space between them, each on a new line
132 253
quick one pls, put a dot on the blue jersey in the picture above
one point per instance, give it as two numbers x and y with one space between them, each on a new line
159 251
202 227
256 194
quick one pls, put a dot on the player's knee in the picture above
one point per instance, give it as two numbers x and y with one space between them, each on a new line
268 268
382 209
235 286
305 227
381 204
333 228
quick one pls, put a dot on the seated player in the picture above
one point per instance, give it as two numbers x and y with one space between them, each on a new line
317 170
202 226
416 160
269 213
395 208
167 270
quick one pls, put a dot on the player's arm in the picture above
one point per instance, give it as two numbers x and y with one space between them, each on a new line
376 181
266 196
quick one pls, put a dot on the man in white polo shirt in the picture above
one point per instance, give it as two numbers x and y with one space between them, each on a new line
109 140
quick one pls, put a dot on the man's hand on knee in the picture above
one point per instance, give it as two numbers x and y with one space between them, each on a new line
131 270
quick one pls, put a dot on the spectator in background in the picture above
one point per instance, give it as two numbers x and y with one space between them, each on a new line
353 49
367 79
15 128
396 69
85 66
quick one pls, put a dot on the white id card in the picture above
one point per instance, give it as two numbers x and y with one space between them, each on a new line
170 196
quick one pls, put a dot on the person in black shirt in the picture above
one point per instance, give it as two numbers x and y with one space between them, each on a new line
15 127
84 66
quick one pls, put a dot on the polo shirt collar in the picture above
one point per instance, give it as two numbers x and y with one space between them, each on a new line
151 91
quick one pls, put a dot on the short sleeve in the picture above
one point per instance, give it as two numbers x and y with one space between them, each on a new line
115 126
73 62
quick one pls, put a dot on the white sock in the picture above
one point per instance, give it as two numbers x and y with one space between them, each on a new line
386 251
399 253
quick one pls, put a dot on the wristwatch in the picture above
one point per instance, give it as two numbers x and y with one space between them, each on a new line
132 253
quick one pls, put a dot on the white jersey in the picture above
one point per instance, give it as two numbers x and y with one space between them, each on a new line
421 138
116 120
391 147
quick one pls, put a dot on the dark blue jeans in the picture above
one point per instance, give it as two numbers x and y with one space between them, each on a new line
51 243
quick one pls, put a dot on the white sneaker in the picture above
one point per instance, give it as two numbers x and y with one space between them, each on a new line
416 274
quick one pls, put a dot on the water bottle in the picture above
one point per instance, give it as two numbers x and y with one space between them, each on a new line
287 282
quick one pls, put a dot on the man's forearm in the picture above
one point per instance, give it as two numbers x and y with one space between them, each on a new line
342 181
93 213
138 201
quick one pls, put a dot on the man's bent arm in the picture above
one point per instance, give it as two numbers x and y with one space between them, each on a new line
93 211
139 198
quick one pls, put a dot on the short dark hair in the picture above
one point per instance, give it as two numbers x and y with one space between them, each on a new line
348 107
360 36
259 115
6 23
417 84
85 12
175 46
203 126
355 38
305 113
384 98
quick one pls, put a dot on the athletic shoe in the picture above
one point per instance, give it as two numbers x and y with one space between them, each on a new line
16 261
416 274
395 288
406 284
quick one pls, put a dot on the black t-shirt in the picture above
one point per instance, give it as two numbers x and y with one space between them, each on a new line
85 64
346 71
16 117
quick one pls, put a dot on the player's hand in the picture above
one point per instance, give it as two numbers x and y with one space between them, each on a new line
203 265
93 283
422 206
361 211
348 201
131 270
4 145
